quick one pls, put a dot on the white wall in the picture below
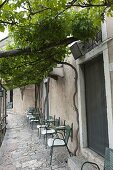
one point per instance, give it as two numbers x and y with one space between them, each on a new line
19 105
61 93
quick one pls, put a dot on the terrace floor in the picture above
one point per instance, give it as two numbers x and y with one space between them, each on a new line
22 149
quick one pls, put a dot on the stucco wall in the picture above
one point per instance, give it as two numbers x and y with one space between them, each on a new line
61 93
20 105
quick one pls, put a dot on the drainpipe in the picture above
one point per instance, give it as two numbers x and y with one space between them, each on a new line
46 102
36 96
47 92
39 98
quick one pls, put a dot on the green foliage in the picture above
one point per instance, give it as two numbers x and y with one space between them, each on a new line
38 25
23 70
40 34
85 26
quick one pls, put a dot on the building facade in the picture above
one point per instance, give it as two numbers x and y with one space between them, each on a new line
93 99
83 98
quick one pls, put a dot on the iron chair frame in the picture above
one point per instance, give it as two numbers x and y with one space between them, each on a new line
50 129
44 124
65 139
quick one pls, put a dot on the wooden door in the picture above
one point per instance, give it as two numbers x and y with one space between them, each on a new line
96 111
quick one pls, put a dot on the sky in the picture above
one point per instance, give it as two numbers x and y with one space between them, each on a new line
3 35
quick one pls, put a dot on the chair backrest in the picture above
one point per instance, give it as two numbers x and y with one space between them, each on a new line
108 163
57 122
68 130
50 117
31 109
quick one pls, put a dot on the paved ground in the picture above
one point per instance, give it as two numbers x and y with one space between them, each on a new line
23 150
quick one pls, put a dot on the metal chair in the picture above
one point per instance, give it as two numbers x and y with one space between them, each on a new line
33 117
108 163
30 110
50 129
61 141
44 123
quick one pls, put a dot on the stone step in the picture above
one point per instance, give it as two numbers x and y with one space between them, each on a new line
75 163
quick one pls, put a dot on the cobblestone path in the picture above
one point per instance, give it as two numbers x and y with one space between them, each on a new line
23 150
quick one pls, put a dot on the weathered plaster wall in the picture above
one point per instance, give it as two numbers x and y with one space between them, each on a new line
19 105
61 93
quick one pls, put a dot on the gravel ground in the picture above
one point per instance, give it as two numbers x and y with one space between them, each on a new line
22 149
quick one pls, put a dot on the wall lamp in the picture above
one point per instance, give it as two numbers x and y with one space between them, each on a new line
77 50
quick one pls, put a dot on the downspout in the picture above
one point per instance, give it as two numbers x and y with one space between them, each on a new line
48 98
36 96
40 99
46 101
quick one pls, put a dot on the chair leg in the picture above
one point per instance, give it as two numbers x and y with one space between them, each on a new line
51 154
68 150
38 132
44 139
31 124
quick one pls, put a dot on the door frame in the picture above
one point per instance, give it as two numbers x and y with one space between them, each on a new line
81 95
96 109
